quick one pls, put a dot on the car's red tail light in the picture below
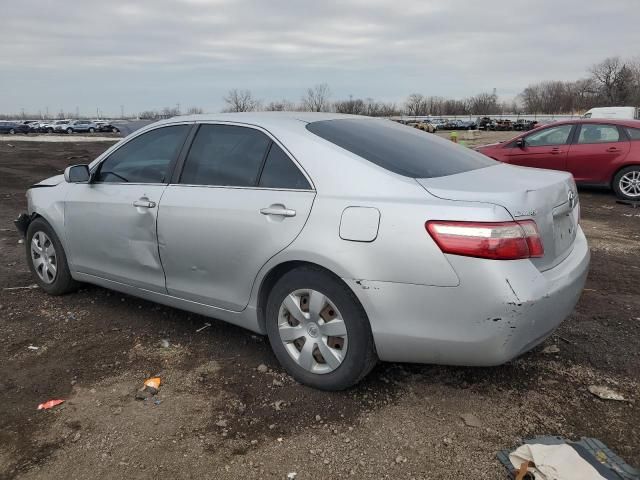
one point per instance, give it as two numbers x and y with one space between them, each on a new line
497 241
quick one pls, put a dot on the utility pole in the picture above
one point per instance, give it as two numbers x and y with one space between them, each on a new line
122 111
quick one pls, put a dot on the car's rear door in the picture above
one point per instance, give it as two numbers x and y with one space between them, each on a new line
546 148
110 223
595 152
239 199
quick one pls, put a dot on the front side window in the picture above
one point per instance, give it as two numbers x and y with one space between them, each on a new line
598 134
280 172
549 136
225 155
145 159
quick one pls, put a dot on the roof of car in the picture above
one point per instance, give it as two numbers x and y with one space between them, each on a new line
612 121
261 118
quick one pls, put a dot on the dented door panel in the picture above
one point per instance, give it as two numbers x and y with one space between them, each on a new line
111 238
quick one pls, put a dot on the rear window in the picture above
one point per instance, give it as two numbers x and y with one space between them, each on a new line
398 148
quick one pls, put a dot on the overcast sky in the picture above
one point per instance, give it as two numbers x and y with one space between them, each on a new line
149 54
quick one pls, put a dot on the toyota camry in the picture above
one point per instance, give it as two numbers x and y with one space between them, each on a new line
346 240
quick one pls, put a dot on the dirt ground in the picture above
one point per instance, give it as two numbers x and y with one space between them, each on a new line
218 416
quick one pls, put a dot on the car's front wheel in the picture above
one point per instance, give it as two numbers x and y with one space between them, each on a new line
12 131
318 330
91 130
69 131
47 259
626 183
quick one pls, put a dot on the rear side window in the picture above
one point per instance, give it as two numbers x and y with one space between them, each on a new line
398 148
225 155
280 172
634 133
145 159
598 134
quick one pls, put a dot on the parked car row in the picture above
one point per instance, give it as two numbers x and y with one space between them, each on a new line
57 126
486 123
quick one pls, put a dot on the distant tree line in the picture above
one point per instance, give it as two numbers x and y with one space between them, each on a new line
612 82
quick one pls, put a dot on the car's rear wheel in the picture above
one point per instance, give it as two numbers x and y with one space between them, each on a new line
47 260
12 131
318 330
69 131
49 130
91 130
626 183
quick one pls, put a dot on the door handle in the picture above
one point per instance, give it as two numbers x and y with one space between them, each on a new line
278 211
555 151
612 149
141 203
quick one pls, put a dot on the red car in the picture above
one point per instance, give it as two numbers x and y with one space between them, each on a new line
602 152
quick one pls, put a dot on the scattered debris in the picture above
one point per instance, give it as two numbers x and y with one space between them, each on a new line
49 404
400 459
151 387
221 423
21 241
277 383
291 475
470 420
164 343
28 287
279 404
262 368
606 393
550 457
31 347
11 145
207 324
551 349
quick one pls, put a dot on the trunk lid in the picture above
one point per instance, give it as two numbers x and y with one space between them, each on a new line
548 197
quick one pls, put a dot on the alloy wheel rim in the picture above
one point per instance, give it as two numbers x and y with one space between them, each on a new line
44 258
312 331
630 183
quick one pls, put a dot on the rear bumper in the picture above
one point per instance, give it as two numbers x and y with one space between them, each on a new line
500 310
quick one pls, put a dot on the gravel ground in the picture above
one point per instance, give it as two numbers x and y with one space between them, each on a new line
226 410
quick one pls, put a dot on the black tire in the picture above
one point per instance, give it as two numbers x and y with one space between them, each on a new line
63 282
361 355
49 130
616 182
69 131
115 130
12 132
91 130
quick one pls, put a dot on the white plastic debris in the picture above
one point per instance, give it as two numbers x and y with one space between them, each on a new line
606 393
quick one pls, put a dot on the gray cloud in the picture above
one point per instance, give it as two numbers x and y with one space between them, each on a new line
154 53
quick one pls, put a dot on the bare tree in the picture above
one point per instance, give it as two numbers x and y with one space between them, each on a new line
240 101
194 111
281 106
148 115
352 106
317 98
416 104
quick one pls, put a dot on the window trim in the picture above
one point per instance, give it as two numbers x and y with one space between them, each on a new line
177 173
622 135
95 165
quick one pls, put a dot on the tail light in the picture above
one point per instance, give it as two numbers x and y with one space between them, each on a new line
496 241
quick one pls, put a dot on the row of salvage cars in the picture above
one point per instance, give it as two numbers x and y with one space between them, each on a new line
57 126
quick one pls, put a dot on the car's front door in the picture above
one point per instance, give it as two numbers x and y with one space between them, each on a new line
238 201
545 148
597 149
110 223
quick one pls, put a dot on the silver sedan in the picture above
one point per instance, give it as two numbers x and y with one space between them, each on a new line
344 239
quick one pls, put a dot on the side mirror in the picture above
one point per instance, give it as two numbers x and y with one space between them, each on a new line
520 143
77 174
